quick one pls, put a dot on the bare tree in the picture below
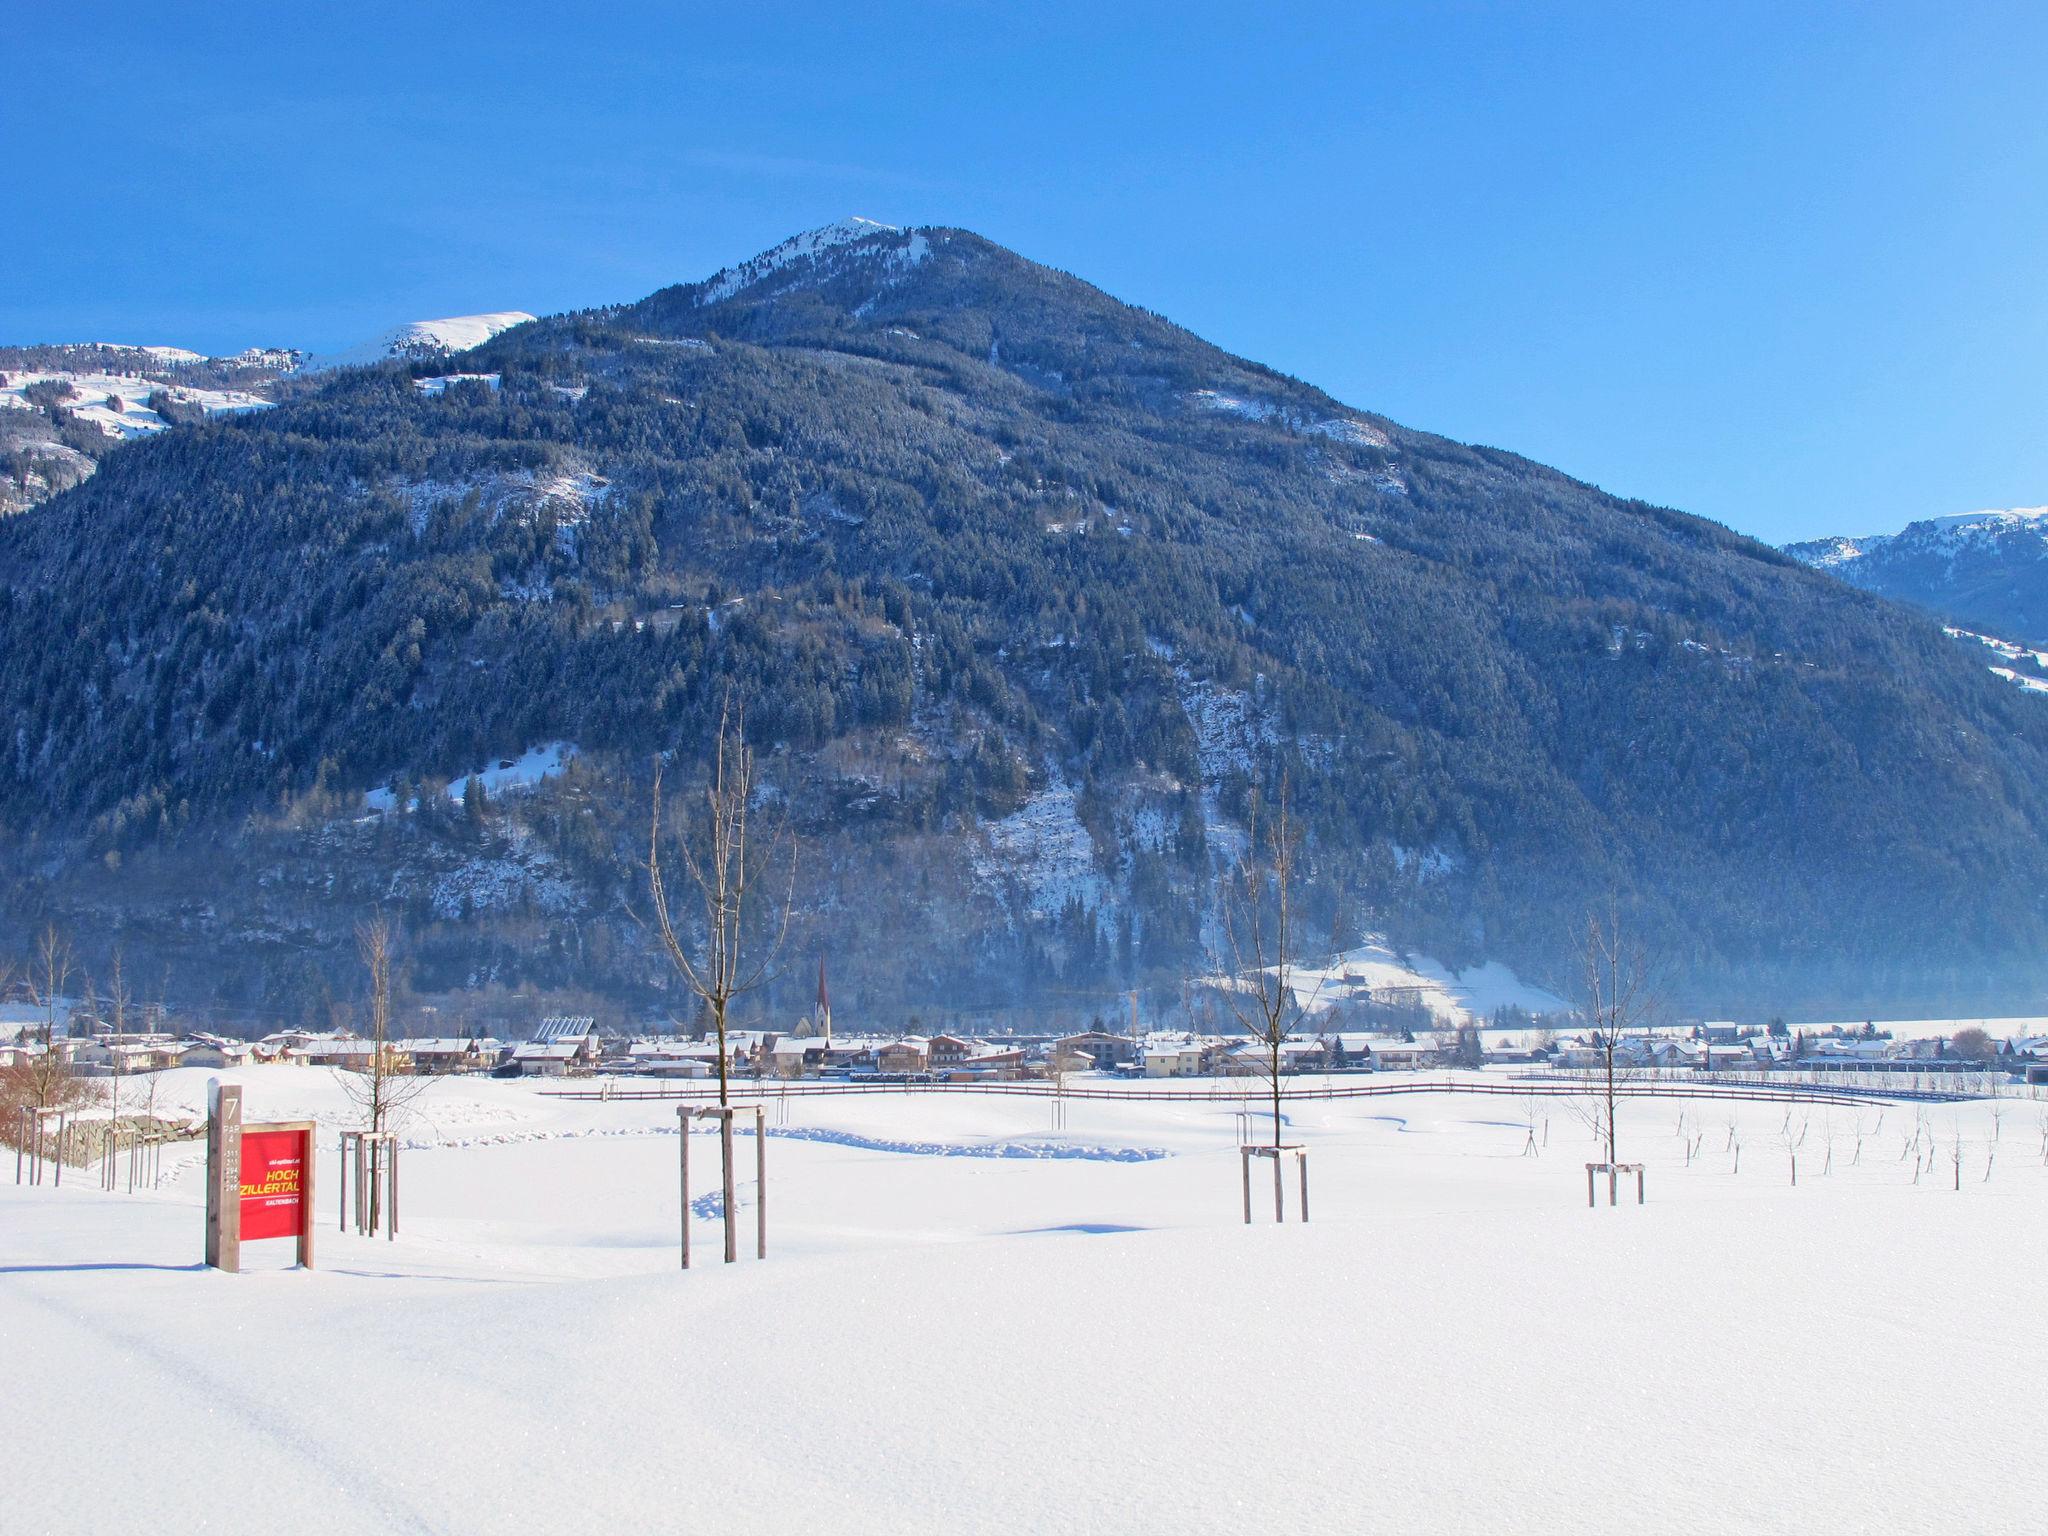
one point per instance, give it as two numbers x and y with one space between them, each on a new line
1614 998
736 868
1061 1062
116 1001
378 1089
51 1083
45 1081
1256 910
1792 1141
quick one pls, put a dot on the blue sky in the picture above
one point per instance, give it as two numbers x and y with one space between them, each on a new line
1782 265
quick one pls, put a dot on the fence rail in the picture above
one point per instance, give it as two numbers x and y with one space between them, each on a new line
1786 1093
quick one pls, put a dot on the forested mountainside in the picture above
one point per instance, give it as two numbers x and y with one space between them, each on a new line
1024 590
1987 571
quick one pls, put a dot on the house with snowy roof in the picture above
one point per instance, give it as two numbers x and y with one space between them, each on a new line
1186 1057
1395 1055
444 1055
912 1053
1101 1047
216 1051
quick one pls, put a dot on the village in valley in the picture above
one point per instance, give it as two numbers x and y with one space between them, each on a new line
1420 1027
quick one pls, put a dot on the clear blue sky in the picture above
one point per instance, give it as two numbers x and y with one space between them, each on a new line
1783 265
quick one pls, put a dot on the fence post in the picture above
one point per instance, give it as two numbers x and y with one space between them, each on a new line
683 1129
760 1184
1244 1156
1301 1162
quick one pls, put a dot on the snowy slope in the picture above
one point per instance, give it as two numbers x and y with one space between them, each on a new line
2022 665
808 254
422 340
962 1345
118 403
1376 970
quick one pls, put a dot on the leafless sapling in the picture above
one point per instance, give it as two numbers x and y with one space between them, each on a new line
1257 918
1615 997
746 901
379 1089
736 868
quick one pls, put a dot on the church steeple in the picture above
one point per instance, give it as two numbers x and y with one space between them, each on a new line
824 1004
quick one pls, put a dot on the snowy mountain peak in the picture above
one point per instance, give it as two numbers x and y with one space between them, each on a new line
2006 521
810 246
424 339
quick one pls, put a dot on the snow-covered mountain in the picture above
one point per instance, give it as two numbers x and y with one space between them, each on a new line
1985 570
422 340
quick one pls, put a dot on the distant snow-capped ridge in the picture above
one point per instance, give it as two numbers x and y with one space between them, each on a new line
1932 535
814 245
1984 571
423 340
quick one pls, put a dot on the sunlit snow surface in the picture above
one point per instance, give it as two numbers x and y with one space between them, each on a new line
423 338
1025 1344
118 404
2019 655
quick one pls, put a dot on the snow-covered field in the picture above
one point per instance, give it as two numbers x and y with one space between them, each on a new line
118 404
1086 1342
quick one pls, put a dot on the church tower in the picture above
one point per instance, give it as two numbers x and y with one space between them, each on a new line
824 1014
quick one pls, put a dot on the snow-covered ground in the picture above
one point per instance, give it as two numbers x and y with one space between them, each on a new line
985 1344
118 404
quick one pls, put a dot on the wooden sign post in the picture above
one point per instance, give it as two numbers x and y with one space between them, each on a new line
259 1180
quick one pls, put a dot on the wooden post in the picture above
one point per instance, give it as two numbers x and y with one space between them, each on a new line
760 1184
307 1191
1639 1183
1244 1156
1301 1162
1612 1178
1589 1187
391 1224
58 1182
732 1232
1279 1189
683 1129
341 1180
223 1176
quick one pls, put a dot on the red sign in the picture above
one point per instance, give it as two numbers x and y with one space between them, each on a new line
274 1183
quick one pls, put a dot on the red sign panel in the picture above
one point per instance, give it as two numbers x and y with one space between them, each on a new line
274 1183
